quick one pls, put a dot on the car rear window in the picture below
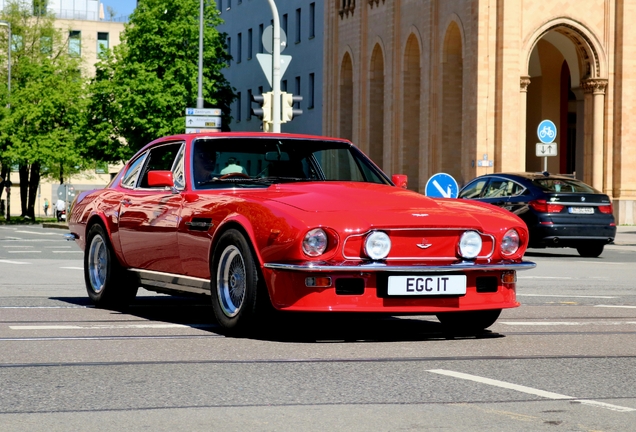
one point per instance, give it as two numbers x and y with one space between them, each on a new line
563 185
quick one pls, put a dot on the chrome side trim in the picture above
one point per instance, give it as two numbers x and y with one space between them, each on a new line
173 281
380 267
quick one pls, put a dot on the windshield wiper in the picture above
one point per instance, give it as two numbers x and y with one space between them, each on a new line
232 180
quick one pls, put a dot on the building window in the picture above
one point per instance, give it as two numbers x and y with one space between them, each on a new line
283 85
239 48
260 38
312 90
46 45
347 6
283 24
75 43
229 46
248 112
298 26
249 44
297 104
238 107
312 20
102 43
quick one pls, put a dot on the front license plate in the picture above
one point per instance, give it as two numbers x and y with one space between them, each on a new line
582 210
427 285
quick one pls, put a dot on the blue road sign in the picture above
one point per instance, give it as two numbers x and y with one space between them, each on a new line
442 185
546 132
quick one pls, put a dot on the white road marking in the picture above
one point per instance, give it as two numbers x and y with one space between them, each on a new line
100 327
564 295
75 251
616 306
528 390
16 246
564 323
13 262
40 233
25 251
73 268
545 277
55 247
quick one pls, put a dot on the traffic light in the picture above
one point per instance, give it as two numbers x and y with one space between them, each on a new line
288 110
265 101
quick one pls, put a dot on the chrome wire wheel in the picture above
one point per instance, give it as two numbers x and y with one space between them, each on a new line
97 263
231 282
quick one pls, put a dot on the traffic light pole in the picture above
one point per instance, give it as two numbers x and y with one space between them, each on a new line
276 70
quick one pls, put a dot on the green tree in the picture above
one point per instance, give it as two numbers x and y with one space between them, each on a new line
142 88
39 126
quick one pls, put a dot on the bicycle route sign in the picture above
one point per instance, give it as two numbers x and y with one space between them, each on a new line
546 132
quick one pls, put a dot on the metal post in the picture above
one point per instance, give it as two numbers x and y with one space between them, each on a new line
276 70
200 94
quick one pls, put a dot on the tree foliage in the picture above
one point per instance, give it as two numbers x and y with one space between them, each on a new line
40 122
142 88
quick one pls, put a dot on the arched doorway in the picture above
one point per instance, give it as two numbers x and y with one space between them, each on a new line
450 146
346 98
564 71
376 102
411 113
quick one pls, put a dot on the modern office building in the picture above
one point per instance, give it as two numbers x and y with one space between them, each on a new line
245 22
461 86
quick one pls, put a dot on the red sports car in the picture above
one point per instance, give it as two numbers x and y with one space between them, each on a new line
300 223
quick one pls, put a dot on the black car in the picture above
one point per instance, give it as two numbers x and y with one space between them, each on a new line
560 211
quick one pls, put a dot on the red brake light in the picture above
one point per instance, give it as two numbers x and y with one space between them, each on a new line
607 209
544 207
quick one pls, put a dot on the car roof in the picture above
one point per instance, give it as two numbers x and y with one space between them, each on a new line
530 175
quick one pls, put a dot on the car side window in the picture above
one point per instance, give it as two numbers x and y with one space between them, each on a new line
130 178
161 158
473 190
178 173
498 188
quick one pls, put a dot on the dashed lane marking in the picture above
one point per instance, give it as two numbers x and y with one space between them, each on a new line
12 262
529 390
564 295
616 306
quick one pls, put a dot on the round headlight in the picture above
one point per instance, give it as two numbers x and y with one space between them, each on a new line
315 242
377 245
470 245
510 242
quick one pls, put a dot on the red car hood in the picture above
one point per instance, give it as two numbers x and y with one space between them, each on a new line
384 205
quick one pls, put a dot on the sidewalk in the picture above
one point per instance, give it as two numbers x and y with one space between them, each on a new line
625 236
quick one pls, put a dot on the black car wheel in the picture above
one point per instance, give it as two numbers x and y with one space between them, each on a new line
592 250
234 282
472 322
108 284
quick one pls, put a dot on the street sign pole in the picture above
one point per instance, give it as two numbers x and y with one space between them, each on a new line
276 70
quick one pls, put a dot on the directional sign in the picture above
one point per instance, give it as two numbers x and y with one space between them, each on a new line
546 131
441 185
546 149
203 122
265 60
203 112
200 130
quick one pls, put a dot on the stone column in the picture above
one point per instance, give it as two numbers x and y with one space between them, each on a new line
596 87
523 108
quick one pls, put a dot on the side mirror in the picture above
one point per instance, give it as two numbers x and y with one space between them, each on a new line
160 179
400 180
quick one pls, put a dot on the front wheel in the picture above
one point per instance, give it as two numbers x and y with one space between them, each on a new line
472 322
234 282
592 250
107 282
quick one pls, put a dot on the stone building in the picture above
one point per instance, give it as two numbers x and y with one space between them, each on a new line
460 86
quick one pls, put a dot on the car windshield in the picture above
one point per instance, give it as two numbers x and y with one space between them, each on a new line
563 185
259 162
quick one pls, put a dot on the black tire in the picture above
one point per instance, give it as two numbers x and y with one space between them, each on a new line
235 283
108 284
473 322
592 250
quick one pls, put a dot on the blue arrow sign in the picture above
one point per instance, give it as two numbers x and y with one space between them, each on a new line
441 185
546 131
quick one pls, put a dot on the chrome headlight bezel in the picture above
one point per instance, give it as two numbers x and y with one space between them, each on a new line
510 242
315 242
469 245
377 245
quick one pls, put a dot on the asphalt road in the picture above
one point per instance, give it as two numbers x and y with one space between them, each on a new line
565 359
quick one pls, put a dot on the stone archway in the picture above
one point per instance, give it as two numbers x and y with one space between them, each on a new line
412 83
450 146
345 129
377 111
565 83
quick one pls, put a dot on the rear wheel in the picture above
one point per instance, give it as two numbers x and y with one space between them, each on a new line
108 284
592 250
234 282
472 322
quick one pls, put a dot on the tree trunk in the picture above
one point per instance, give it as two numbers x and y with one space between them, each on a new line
4 175
24 188
34 182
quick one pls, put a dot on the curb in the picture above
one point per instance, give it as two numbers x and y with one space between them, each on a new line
55 225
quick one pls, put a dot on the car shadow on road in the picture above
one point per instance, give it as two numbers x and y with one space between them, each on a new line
196 312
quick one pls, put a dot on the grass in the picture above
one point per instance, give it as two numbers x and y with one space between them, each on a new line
19 220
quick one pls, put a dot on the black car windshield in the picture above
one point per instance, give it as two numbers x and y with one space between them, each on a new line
260 162
563 185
